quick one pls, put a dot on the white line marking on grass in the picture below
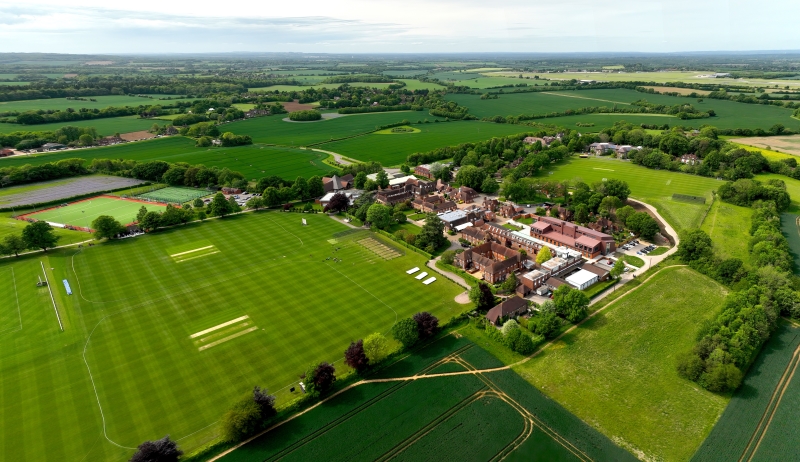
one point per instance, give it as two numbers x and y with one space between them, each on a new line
16 296
61 326
199 256
219 326
365 290
668 182
230 337
191 251
606 169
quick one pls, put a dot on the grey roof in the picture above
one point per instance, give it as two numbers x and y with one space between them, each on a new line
453 215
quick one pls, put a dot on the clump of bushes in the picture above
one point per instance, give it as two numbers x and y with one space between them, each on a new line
305 116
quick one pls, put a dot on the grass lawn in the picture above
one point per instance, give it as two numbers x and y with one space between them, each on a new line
394 149
417 216
64 103
82 213
729 228
658 251
410 227
652 186
617 371
10 225
137 304
633 260
511 227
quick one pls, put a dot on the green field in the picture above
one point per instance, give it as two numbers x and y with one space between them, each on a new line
728 226
741 432
137 303
652 186
393 150
253 161
174 194
104 127
730 114
792 187
63 103
468 417
617 371
275 130
10 225
791 229
658 77
82 213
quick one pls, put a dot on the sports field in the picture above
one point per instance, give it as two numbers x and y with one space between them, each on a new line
655 187
254 161
728 226
82 213
761 421
128 366
174 194
617 372
469 417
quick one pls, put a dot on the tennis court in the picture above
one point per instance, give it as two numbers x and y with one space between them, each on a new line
81 214
174 195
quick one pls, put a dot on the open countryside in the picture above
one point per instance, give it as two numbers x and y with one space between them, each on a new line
337 245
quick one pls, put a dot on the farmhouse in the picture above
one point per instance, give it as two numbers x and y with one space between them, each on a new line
423 170
494 260
690 159
602 148
513 306
255 113
587 241
622 151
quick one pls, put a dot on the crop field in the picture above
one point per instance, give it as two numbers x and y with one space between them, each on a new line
761 421
730 114
393 150
790 227
617 371
469 417
792 187
781 144
253 161
655 187
82 213
105 127
128 367
729 226
274 130
174 194
657 77
48 191
63 103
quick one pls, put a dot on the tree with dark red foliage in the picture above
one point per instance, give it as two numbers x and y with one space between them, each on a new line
427 324
265 402
355 357
163 450
339 202
319 378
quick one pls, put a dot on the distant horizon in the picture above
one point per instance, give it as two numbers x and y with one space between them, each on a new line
362 27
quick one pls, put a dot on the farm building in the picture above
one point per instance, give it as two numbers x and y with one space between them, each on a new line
513 306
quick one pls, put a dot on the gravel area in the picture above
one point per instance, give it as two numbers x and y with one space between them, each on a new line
48 191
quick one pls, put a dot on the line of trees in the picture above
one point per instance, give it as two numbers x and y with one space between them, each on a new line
729 343
35 235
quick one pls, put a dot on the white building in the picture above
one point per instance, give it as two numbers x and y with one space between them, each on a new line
582 279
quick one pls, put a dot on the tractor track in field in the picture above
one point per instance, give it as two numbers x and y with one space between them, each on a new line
772 408
448 358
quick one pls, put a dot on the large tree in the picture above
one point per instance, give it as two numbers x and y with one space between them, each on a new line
265 402
13 244
481 295
570 303
106 226
241 420
355 357
432 234
39 235
427 324
379 216
471 176
315 187
618 269
695 245
271 197
219 206
338 202
376 347
543 255
405 331
382 179
319 378
300 188
151 221
643 224
163 450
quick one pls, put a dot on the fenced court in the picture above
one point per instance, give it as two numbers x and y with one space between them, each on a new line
81 214
174 195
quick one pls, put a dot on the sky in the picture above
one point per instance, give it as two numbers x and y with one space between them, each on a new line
407 26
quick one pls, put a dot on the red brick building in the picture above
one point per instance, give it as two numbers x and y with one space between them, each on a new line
588 242
496 261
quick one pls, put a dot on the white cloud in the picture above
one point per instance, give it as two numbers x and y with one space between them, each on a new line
102 26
